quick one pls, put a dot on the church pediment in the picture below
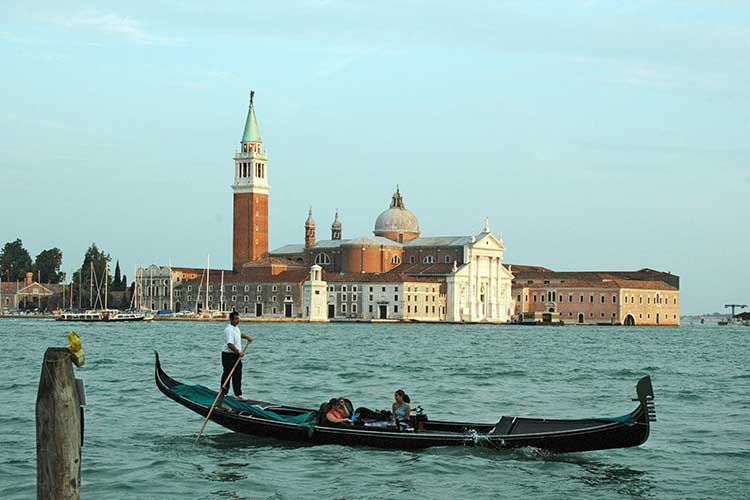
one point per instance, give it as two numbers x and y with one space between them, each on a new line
487 241
35 290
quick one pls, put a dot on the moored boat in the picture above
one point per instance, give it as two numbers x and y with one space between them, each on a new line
304 425
108 315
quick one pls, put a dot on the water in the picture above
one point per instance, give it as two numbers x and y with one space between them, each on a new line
139 444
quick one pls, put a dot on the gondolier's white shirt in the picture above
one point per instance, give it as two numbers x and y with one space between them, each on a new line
232 335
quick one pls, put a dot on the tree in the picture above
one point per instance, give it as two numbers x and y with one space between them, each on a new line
47 266
15 261
117 280
93 294
124 284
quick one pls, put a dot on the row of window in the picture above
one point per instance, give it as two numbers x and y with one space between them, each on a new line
258 288
245 167
355 288
658 299
410 299
430 259
153 291
426 309
246 298
551 296
591 315
324 259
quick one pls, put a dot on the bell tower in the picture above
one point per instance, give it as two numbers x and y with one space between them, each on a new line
250 242
309 230
336 227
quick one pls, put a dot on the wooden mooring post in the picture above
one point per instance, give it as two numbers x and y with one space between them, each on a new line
59 428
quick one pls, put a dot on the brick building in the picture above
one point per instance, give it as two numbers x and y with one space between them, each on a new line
644 297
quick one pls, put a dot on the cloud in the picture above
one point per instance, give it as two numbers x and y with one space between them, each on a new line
113 24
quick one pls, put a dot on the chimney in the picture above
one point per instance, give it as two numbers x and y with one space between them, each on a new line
29 278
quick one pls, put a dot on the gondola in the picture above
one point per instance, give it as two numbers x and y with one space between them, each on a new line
303 425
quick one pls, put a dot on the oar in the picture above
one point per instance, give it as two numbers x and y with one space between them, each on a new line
221 393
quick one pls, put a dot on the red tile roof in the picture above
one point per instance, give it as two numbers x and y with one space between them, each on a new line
419 269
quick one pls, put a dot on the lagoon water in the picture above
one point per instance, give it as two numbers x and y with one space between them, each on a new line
139 444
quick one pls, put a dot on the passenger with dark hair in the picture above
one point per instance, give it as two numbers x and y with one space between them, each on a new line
401 408
339 413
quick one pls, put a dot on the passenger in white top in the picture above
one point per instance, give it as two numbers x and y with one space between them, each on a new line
231 353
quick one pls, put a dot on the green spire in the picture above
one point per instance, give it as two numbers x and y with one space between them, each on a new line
252 131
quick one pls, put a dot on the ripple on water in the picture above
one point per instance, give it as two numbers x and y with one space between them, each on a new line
141 445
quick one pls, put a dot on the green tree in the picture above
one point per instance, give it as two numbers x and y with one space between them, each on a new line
116 279
92 285
47 266
15 261
124 284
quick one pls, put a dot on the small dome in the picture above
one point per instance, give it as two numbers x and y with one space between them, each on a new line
396 219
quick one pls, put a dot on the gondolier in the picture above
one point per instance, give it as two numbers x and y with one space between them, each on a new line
231 353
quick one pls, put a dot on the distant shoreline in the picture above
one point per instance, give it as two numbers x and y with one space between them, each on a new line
50 317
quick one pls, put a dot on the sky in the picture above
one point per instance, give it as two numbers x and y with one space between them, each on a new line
595 135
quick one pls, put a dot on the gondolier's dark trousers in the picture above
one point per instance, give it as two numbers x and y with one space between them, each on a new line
227 361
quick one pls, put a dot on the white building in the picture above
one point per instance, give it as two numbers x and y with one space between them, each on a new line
480 288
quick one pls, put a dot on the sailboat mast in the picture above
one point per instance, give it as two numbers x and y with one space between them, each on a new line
171 290
91 285
106 282
221 300
139 289
151 287
198 293
208 281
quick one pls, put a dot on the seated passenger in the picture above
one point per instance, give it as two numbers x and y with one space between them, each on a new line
339 414
401 408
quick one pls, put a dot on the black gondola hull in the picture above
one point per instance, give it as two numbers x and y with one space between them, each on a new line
559 436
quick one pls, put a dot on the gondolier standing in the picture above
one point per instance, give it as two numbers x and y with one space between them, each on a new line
231 352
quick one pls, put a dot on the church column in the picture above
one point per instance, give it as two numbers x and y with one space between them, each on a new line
498 278
470 287
491 289
477 288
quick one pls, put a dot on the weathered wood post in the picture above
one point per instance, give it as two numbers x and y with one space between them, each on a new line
59 429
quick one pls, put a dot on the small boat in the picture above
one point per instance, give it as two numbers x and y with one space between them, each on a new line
86 316
541 318
106 315
303 425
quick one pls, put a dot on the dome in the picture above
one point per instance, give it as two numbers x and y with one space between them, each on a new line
396 219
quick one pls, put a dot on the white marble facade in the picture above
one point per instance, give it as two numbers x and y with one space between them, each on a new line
479 290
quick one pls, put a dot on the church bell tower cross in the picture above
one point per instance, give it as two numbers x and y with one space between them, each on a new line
250 242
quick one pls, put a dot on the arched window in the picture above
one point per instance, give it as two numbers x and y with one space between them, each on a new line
429 259
396 260
322 258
